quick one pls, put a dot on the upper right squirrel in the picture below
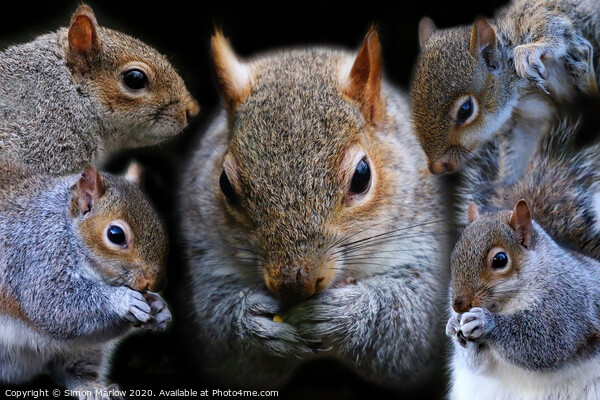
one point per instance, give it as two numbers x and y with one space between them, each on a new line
471 83
70 97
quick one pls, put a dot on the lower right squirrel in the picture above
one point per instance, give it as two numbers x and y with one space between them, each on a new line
526 313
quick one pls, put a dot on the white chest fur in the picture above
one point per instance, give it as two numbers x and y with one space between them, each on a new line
495 379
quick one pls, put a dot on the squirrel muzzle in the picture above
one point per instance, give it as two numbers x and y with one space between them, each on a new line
461 304
141 283
292 283
443 165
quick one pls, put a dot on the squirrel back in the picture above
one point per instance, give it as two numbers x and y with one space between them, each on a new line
70 97
561 186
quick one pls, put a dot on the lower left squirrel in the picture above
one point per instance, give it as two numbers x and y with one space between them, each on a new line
80 259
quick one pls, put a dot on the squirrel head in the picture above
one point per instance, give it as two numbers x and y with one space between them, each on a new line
141 95
458 94
126 238
490 257
303 164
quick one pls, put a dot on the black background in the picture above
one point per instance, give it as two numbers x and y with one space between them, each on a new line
181 30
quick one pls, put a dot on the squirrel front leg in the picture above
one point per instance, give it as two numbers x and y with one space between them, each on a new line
236 313
529 339
557 39
384 324
77 308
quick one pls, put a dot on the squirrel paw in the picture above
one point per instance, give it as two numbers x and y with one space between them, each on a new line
133 307
257 325
95 391
580 62
529 64
475 324
333 313
159 310
453 330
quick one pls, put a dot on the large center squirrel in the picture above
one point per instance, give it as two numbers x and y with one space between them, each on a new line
307 228
71 97
80 259
472 83
525 318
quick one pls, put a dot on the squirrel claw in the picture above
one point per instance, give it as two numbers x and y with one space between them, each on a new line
460 338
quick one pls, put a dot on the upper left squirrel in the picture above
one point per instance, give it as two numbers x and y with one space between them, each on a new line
72 96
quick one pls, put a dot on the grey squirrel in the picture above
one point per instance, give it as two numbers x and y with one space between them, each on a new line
470 84
71 97
306 226
80 259
525 322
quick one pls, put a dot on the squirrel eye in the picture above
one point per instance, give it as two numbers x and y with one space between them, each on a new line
227 188
465 111
116 235
135 79
500 260
362 178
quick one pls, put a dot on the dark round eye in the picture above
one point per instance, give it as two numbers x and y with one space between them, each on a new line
227 188
500 260
116 235
361 178
465 111
135 79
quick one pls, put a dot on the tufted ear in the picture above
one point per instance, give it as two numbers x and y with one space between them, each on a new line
484 44
233 76
363 83
88 189
134 174
521 223
84 43
472 212
426 29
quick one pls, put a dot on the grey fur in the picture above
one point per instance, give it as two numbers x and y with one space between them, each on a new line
58 313
511 93
58 118
380 316
533 335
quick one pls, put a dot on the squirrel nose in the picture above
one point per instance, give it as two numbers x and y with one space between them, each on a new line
191 111
461 305
297 285
442 165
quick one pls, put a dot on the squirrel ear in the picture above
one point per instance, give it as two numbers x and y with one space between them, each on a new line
472 212
134 174
426 29
364 81
90 187
520 221
83 37
484 43
233 76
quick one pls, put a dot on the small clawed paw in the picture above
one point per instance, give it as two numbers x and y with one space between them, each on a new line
473 324
529 64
